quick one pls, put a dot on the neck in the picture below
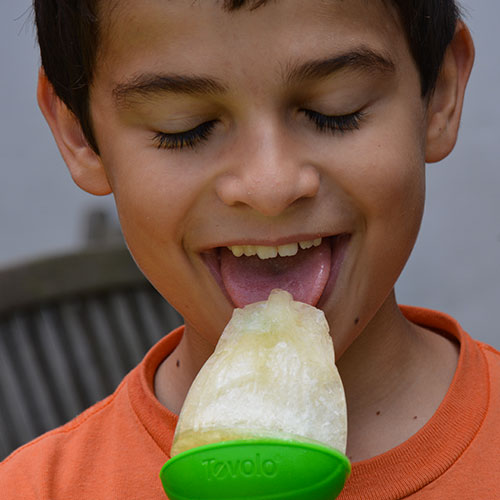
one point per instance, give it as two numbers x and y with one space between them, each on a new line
176 374
395 376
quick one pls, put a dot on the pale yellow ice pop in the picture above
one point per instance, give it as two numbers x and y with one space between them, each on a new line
272 374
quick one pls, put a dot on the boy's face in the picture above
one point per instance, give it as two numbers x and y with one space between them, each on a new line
303 119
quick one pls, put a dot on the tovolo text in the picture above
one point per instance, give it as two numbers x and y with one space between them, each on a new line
247 468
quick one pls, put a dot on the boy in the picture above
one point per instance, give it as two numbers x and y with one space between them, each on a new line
295 132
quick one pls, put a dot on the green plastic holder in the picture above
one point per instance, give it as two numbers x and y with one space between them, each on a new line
256 469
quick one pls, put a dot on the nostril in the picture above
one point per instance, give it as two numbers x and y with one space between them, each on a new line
231 190
269 189
309 182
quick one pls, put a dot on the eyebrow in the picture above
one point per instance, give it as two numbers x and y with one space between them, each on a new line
148 85
363 59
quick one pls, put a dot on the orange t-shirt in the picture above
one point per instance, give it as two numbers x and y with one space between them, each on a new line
115 449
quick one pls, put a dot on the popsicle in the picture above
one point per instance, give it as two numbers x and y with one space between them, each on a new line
266 416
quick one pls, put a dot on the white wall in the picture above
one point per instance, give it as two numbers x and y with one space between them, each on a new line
455 266
41 210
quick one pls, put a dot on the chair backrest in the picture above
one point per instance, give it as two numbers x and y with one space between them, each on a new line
71 327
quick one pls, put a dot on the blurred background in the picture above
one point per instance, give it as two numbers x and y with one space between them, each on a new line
455 266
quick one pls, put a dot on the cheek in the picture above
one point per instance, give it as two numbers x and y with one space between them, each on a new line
145 202
154 189
383 175
388 159
394 210
155 203
393 191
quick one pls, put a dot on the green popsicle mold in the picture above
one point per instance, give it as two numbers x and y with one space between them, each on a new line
256 469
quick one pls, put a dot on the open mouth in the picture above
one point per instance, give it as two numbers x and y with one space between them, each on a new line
307 269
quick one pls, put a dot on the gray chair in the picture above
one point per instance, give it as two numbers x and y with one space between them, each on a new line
71 327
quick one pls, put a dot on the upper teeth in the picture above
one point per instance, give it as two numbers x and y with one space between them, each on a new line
269 252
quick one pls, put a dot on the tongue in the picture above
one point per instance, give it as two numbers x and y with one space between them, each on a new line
250 279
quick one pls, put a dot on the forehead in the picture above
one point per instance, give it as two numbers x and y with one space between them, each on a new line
202 34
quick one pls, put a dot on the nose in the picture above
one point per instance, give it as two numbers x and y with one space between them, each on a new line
268 175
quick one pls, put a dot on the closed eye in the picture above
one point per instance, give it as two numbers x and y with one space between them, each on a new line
191 138
187 139
335 124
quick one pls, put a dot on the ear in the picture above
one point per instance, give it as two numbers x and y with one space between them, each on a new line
445 105
83 162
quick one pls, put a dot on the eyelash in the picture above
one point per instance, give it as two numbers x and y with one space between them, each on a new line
335 124
188 139
191 138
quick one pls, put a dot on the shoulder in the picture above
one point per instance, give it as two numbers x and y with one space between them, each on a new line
50 442
114 449
492 357
33 470
490 351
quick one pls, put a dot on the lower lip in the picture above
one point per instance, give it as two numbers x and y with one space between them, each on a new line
339 247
